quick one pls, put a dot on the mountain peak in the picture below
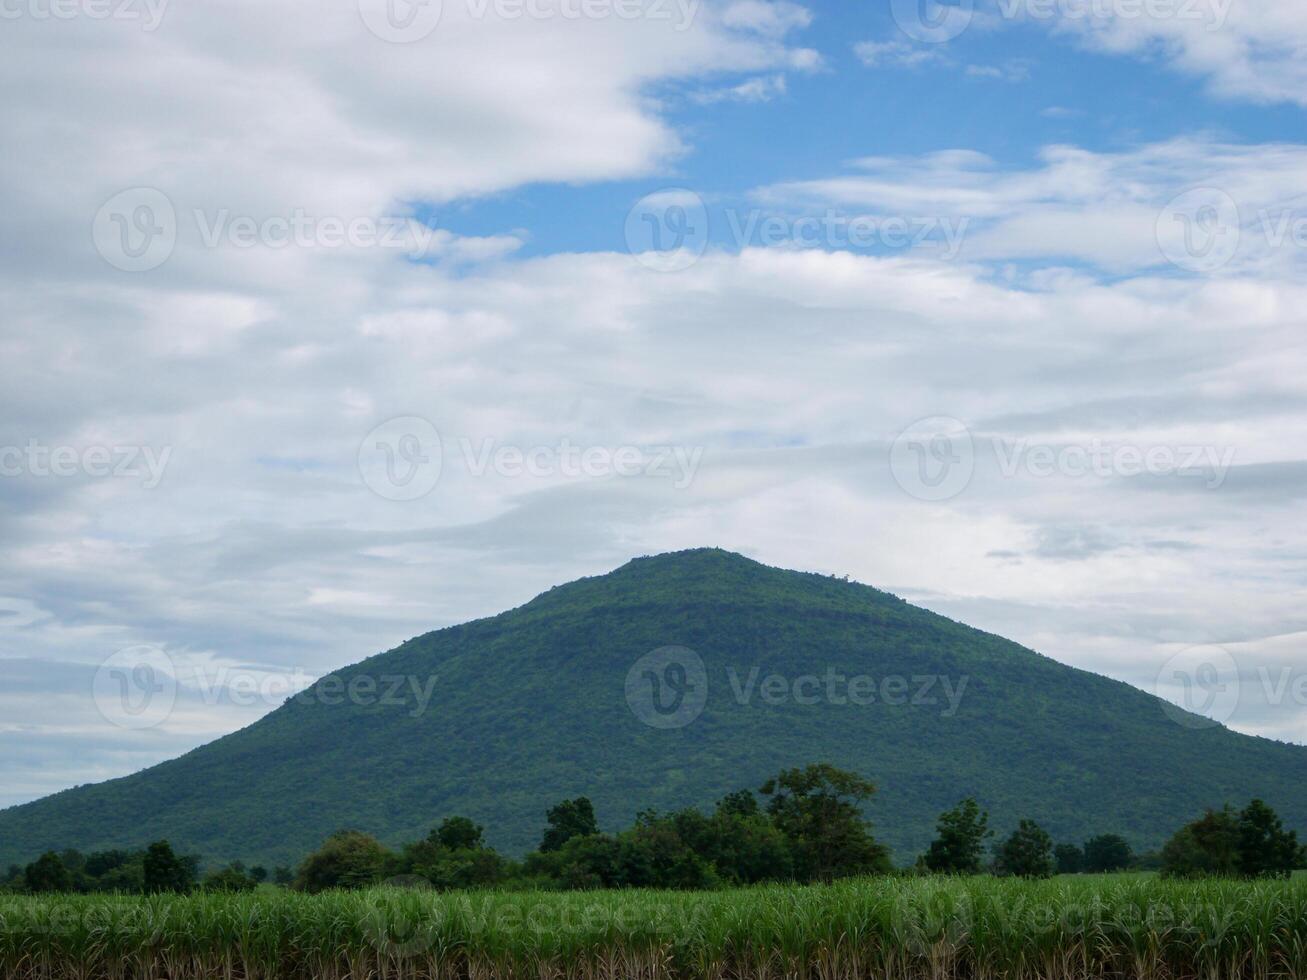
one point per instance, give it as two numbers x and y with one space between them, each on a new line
542 703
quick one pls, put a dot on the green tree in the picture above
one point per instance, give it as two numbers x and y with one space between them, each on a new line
48 873
741 803
1028 853
1209 846
592 861
259 873
653 855
346 859
164 871
458 834
1106 853
1069 858
282 876
819 809
448 868
1266 849
960 840
571 818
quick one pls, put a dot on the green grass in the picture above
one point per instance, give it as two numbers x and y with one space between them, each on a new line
932 929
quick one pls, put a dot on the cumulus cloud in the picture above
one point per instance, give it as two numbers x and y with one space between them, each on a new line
1120 211
186 441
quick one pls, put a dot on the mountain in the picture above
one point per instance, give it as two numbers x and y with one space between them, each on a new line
574 693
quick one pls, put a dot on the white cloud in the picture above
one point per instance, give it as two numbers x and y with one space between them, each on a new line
261 369
1109 209
896 54
764 88
1246 49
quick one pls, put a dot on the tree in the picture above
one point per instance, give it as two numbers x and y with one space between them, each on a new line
1028 853
259 873
741 803
1107 853
819 809
346 859
653 855
1266 850
1209 846
48 873
571 818
458 834
101 863
164 871
960 840
282 876
445 868
1070 859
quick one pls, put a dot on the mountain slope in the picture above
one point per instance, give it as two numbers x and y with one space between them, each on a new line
534 705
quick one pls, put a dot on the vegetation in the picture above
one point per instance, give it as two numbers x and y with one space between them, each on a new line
811 830
960 844
886 927
1028 853
1107 853
1251 844
529 709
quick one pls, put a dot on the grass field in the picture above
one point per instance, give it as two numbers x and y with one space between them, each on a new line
915 929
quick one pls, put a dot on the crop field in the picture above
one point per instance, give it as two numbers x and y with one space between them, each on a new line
884 928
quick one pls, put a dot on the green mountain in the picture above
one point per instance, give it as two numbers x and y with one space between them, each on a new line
553 700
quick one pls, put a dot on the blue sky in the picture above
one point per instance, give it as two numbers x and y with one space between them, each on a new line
323 331
1005 90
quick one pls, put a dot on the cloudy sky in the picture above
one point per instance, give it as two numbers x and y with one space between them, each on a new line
326 324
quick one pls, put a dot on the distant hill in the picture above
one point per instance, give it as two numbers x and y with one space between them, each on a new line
542 702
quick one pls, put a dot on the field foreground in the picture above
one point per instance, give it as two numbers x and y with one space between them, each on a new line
933 929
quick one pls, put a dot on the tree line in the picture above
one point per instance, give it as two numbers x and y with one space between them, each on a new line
809 827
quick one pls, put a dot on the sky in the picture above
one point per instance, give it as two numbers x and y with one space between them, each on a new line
327 324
